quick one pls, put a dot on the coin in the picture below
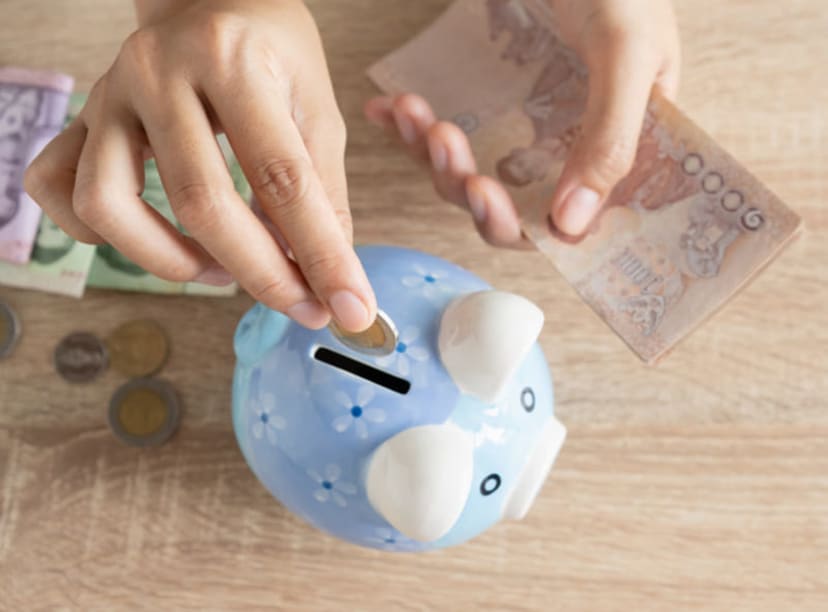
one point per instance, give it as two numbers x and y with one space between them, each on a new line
144 412
80 357
138 348
379 339
9 330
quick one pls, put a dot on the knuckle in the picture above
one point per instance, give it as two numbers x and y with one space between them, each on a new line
195 206
271 291
283 184
323 266
610 36
37 178
346 222
140 48
221 33
611 159
90 205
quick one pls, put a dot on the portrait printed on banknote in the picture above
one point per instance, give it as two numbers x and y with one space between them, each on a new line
19 109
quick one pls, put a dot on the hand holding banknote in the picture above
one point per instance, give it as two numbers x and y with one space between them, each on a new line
255 71
627 47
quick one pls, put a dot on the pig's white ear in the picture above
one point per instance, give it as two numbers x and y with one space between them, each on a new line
483 339
419 480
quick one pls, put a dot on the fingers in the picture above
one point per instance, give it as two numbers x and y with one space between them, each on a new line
289 190
407 117
621 78
50 181
453 169
109 177
451 163
496 218
324 135
204 201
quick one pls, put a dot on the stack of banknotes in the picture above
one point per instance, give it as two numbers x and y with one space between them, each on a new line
34 252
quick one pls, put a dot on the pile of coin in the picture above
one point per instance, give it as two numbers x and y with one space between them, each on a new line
143 411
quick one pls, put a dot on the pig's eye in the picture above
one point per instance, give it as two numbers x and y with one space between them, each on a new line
527 399
490 484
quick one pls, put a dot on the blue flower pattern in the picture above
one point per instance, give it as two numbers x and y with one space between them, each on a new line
331 487
430 283
357 412
266 422
408 348
329 492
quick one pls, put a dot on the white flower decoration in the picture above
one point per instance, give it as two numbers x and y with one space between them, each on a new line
406 350
330 487
430 283
386 538
267 422
358 412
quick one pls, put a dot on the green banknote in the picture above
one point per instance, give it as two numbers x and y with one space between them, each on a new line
112 270
58 263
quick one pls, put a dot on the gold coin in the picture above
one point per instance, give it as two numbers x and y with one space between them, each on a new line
144 412
138 348
379 339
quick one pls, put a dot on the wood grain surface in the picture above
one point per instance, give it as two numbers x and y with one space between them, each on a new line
701 484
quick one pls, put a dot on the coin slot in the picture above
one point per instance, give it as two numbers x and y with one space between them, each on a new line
362 370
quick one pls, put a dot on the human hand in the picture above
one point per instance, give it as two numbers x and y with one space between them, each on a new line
628 46
256 71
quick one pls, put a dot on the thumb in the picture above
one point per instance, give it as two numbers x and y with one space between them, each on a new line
620 81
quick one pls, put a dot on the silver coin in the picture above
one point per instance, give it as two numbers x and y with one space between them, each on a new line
9 330
80 357
379 339
144 412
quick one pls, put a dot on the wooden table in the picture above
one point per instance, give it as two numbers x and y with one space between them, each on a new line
700 484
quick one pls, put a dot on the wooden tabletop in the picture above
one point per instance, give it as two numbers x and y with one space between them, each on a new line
702 483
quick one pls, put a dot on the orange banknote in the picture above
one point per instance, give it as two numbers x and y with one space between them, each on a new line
679 236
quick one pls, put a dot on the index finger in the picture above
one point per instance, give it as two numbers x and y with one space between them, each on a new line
284 178
204 200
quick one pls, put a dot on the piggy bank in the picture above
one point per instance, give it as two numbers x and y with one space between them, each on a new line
424 445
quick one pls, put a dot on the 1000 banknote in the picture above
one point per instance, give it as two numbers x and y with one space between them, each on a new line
58 262
33 105
678 236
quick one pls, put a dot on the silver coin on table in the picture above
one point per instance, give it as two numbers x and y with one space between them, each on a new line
80 357
144 412
9 330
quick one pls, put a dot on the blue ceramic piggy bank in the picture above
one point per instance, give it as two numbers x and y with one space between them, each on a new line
424 446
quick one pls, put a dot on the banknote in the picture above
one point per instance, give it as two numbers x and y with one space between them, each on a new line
679 236
58 263
112 270
32 108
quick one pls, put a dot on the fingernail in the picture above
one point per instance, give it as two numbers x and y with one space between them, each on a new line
407 129
214 275
578 211
439 155
350 311
309 314
477 204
